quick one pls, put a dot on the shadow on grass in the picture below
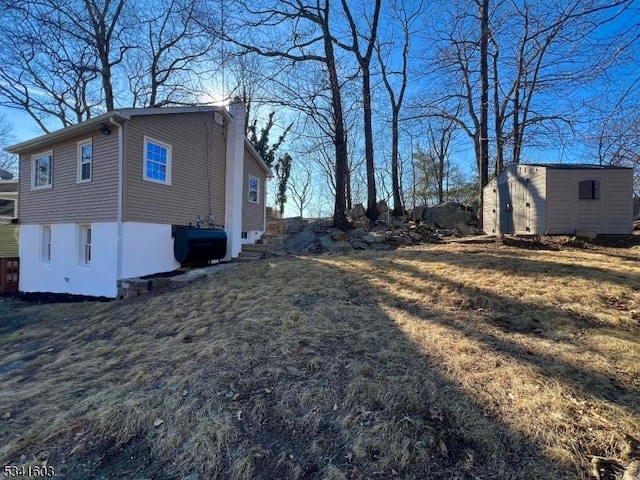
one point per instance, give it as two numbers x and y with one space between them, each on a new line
523 266
314 382
588 382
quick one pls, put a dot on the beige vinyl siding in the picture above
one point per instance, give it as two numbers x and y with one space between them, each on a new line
537 187
489 208
8 240
192 163
617 193
253 213
67 200
10 186
610 214
561 200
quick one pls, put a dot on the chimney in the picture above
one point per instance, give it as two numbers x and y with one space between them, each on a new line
234 184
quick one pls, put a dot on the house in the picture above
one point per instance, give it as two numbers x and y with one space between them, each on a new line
8 214
8 235
534 199
99 200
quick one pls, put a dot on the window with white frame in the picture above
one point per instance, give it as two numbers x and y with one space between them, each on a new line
157 161
85 252
254 189
42 169
85 160
45 254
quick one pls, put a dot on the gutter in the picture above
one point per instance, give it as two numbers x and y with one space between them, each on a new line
120 227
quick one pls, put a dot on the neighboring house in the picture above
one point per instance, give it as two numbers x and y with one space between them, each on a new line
8 214
8 236
534 199
98 199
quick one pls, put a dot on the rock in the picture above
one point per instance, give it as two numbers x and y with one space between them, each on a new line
417 212
375 237
382 207
300 242
446 215
331 246
340 237
415 236
294 225
318 226
358 233
275 226
357 211
358 244
464 229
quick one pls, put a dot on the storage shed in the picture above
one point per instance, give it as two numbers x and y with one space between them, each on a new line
536 199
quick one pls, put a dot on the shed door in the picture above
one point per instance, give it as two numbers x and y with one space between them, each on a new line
505 207
522 206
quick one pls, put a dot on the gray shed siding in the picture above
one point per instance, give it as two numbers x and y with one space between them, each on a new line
612 213
253 213
490 207
515 201
618 194
537 198
198 146
68 201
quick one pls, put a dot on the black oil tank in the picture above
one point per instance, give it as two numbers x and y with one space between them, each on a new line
199 245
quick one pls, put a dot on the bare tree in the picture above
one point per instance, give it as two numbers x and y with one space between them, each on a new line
396 99
8 161
41 71
301 188
310 40
364 61
440 133
169 56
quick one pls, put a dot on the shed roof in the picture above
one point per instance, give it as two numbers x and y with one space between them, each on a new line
571 166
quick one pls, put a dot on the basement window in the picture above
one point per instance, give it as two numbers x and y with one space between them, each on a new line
589 190
85 244
45 254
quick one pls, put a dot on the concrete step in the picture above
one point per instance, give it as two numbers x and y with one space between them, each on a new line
248 257
273 239
260 247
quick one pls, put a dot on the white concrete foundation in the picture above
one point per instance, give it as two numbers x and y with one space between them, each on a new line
147 249
65 273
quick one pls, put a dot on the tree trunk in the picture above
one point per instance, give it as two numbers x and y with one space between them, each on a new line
484 101
342 166
372 208
398 208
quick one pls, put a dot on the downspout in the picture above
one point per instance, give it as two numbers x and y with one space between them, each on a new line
119 203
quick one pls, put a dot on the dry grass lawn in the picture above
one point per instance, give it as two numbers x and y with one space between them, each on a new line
467 361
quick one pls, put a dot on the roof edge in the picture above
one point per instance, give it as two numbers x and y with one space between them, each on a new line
118 115
258 158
